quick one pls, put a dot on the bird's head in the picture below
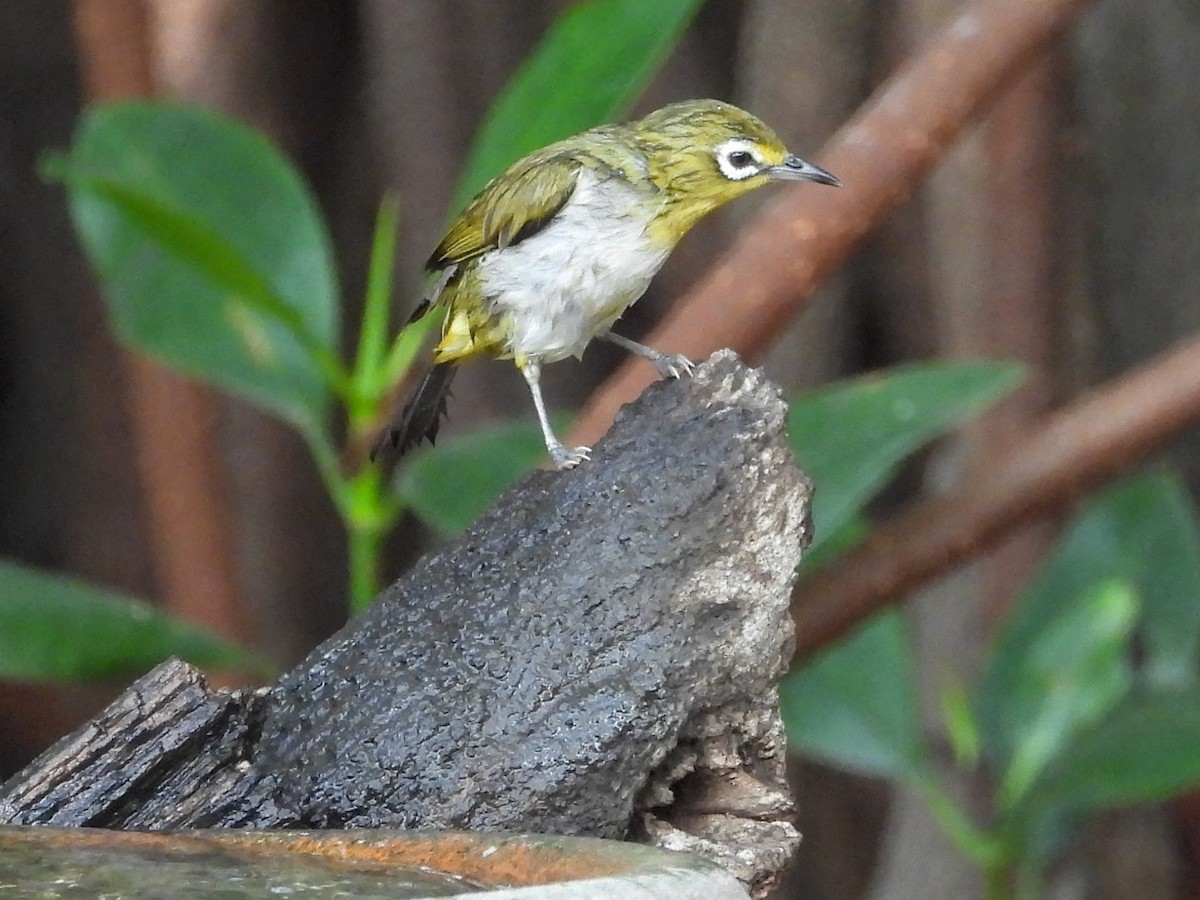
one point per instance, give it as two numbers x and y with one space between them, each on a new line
704 153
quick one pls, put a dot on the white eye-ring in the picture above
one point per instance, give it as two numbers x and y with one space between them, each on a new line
738 159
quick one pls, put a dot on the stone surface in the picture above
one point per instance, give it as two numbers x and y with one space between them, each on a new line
66 864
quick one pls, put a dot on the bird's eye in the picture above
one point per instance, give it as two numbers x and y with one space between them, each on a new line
741 159
738 160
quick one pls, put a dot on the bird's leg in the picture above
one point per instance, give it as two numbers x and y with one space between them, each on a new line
669 365
562 457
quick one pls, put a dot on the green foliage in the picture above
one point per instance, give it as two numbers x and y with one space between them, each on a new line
211 250
857 703
961 727
57 629
850 437
1141 534
1143 751
1066 717
1068 677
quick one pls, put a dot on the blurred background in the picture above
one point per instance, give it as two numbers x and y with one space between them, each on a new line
1061 230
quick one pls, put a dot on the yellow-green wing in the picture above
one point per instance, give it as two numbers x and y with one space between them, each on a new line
510 208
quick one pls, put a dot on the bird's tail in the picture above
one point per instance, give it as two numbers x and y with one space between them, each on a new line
422 414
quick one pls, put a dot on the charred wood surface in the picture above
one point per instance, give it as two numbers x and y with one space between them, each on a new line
597 655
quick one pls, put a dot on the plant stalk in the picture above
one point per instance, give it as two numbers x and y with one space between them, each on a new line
365 551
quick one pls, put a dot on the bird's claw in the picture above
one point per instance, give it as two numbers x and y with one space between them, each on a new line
569 459
673 365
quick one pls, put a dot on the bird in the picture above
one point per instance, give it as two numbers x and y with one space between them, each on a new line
552 251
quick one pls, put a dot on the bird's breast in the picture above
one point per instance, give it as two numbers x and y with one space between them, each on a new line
554 291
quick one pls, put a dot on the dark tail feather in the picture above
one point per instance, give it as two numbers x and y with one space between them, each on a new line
422 414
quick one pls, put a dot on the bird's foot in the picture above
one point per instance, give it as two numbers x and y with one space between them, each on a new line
673 365
565 458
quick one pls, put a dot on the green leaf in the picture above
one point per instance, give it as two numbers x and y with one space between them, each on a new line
449 486
589 67
1068 676
850 437
211 250
369 381
1144 751
854 705
54 628
961 727
1142 532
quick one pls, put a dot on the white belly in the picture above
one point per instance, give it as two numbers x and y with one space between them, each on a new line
571 280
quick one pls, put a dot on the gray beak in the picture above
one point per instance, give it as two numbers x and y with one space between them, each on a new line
793 168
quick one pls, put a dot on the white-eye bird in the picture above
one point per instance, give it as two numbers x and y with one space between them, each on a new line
552 251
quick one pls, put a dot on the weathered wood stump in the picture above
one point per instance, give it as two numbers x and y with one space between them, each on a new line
597 655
